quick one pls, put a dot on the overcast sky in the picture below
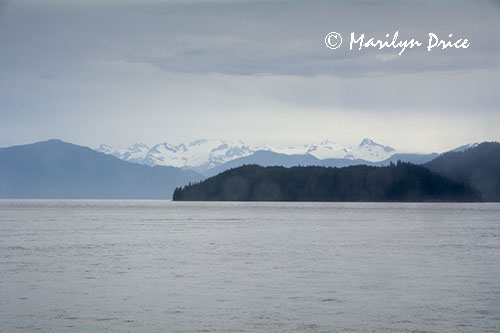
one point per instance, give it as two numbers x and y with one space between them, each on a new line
119 72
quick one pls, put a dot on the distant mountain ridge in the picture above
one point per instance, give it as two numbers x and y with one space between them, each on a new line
269 158
203 155
56 169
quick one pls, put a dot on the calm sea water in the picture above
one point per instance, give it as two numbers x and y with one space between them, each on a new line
159 266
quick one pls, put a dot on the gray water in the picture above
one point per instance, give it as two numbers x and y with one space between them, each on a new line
159 266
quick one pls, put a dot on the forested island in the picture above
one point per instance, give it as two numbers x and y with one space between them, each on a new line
401 182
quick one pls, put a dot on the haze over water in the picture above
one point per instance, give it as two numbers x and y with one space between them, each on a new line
160 266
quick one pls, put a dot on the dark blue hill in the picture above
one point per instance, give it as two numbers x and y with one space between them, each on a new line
478 166
56 169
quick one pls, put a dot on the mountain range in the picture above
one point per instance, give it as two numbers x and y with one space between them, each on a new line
56 169
210 157
468 173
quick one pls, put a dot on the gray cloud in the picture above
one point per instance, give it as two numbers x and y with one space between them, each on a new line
113 71
249 37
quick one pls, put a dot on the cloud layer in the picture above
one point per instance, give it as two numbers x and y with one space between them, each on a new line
153 71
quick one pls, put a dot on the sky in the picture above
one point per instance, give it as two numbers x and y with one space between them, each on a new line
119 72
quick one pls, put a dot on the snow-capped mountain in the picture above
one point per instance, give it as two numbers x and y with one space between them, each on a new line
321 150
367 150
465 147
135 153
200 154
204 154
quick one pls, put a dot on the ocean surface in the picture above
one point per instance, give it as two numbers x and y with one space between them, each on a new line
162 266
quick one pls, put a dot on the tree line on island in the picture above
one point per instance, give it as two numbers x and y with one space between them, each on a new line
397 182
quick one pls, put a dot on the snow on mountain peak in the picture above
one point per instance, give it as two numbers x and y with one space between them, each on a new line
138 147
104 148
370 143
204 154
135 153
371 151
366 142
465 147
197 142
328 149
